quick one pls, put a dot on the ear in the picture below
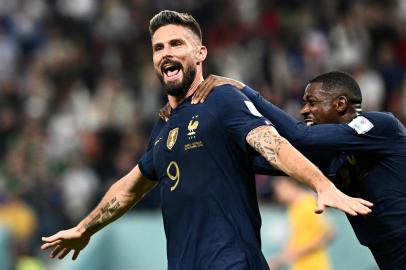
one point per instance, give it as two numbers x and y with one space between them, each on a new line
201 54
341 104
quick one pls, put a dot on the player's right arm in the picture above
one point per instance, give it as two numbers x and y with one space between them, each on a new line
282 155
244 125
121 196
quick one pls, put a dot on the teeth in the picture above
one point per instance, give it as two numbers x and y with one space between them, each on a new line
309 122
169 67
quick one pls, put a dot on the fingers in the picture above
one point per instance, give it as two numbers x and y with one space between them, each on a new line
204 90
365 202
165 112
162 115
333 197
342 202
56 251
354 207
75 254
64 253
51 238
319 208
349 210
197 96
51 244
361 208
358 206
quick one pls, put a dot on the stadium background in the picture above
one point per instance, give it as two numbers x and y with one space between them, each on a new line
78 97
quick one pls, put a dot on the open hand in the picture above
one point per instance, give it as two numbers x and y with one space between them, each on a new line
64 242
330 196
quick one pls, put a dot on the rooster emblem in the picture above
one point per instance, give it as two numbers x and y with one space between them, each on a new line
193 124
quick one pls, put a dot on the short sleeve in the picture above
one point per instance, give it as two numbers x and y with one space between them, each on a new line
146 163
238 114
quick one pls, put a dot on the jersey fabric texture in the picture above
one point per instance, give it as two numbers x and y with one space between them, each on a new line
365 158
209 204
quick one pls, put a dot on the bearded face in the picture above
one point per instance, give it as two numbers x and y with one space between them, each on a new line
176 52
175 78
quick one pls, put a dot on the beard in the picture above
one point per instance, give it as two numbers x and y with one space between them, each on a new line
179 89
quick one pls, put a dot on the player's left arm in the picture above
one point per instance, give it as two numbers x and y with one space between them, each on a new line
121 196
282 155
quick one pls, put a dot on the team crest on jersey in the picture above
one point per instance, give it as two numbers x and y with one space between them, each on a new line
193 125
172 136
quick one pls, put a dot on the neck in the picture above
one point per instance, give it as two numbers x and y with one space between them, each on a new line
346 118
175 101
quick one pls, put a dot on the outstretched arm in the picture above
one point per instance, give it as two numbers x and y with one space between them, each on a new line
282 155
121 196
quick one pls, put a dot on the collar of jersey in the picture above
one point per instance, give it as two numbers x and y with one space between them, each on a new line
185 102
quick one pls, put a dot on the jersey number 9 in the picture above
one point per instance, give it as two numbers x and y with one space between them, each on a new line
173 173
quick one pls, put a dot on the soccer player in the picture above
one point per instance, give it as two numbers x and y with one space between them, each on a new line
306 247
364 151
202 158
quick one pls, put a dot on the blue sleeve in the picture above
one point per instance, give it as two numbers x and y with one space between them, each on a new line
237 114
146 163
285 124
337 137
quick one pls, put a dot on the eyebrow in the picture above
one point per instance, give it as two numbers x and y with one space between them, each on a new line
172 41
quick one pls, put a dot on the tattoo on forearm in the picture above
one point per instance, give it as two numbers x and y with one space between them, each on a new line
266 142
107 211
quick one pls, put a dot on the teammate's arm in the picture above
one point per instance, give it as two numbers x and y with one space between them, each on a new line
282 155
121 196
326 136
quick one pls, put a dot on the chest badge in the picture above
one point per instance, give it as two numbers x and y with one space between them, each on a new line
193 125
172 136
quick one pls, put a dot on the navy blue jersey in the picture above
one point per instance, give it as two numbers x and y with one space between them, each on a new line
204 166
366 158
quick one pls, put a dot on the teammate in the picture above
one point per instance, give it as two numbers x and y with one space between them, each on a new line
202 158
364 151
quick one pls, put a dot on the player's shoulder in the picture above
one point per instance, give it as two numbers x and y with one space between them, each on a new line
379 116
385 119
227 91
377 122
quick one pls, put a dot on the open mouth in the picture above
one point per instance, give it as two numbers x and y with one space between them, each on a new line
309 121
171 70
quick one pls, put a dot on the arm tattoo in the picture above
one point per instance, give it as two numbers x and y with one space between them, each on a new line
266 142
103 217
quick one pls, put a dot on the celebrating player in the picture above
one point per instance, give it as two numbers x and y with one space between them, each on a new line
364 152
202 157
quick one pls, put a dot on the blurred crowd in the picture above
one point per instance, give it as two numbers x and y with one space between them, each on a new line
79 96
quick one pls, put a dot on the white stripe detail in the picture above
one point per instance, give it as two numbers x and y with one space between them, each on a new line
252 109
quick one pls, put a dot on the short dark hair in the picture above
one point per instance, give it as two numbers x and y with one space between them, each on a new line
167 17
340 83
